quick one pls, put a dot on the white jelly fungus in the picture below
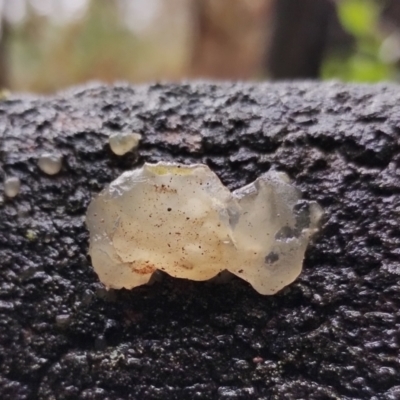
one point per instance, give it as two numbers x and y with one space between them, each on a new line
121 143
12 186
182 220
50 163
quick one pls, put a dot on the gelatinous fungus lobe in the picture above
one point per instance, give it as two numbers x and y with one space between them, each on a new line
182 220
122 142
50 163
12 186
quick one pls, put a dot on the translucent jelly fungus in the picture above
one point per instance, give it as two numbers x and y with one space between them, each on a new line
50 163
182 220
12 186
121 143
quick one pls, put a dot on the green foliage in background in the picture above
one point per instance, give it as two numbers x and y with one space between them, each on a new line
360 18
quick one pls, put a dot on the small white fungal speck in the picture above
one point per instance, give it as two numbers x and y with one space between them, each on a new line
50 163
12 186
121 143
182 220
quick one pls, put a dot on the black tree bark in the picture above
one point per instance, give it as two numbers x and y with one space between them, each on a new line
334 333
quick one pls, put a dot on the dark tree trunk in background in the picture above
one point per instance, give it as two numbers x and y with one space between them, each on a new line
299 38
4 75
391 14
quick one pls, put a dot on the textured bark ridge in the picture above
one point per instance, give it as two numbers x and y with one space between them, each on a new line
333 334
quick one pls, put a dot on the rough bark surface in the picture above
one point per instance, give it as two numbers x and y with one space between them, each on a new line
333 334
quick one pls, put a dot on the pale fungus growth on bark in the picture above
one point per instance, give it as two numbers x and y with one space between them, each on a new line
121 143
12 186
182 220
50 163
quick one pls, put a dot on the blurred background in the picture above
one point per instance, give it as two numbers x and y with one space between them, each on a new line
47 45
